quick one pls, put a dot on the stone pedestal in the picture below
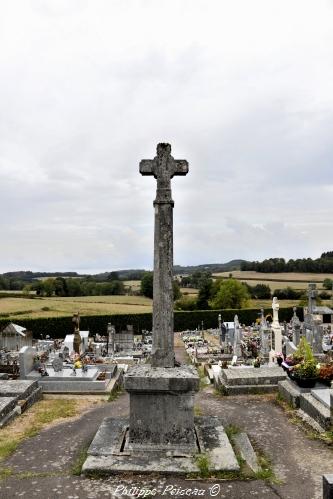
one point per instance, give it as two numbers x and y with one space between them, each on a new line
276 342
161 408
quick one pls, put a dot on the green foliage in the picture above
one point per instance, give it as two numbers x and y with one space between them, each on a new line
202 461
288 293
327 284
196 279
259 291
176 290
186 303
147 284
205 293
232 430
304 350
306 369
231 294
58 327
324 264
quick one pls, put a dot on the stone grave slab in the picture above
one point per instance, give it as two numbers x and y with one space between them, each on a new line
238 381
323 396
8 410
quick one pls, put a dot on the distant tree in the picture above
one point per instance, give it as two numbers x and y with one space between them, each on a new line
230 294
176 290
260 292
4 282
147 284
60 287
288 294
113 276
327 284
49 286
205 293
186 303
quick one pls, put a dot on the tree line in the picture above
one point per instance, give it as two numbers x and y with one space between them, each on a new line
321 265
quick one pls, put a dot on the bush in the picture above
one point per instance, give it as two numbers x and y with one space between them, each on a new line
288 294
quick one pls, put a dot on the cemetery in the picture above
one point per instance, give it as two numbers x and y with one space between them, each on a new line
158 427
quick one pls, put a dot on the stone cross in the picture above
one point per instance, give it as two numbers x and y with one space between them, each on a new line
163 167
312 295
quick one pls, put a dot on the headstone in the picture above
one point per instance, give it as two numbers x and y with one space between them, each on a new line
57 364
296 328
265 335
111 336
237 338
26 361
312 296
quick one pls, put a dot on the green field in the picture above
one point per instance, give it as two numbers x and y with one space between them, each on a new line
296 280
15 308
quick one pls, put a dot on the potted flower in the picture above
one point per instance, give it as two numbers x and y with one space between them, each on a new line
306 373
326 374
305 370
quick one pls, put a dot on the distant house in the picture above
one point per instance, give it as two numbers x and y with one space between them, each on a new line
14 337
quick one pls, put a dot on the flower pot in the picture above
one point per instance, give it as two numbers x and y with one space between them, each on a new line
279 360
305 382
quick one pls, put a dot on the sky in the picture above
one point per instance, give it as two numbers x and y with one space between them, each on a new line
243 90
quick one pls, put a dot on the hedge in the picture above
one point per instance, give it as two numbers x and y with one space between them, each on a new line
58 327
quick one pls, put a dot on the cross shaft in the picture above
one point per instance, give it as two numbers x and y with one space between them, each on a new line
163 167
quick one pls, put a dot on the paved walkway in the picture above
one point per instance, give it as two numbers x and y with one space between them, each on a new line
44 462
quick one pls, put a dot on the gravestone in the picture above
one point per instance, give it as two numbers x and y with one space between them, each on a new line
57 364
26 361
111 335
265 335
296 328
237 338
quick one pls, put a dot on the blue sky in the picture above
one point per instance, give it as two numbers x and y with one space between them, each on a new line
242 90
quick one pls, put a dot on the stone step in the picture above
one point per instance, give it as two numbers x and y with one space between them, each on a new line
8 410
316 410
247 389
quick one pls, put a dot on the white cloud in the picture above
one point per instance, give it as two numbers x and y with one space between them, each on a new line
241 89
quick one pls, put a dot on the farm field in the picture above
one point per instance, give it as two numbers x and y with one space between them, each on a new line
15 308
295 280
